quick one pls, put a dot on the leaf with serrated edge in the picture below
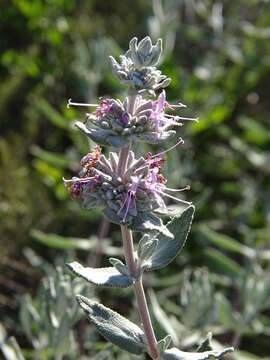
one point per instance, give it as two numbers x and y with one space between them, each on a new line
101 276
166 249
175 354
114 327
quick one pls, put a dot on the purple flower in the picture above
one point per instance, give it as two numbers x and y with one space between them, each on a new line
158 115
104 107
125 118
130 200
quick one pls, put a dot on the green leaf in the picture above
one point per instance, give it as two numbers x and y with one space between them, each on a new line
70 243
163 319
223 264
114 327
225 242
54 159
166 249
103 276
60 242
175 354
9 347
53 116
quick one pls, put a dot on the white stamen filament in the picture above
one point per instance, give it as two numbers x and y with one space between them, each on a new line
180 142
187 188
187 118
179 105
171 122
174 198
70 103
77 179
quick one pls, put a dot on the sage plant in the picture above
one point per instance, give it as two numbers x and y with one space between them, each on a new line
131 193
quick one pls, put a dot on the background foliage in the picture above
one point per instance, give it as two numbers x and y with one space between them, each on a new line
218 55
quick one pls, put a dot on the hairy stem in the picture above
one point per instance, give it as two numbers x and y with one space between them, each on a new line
123 155
130 259
139 292
122 163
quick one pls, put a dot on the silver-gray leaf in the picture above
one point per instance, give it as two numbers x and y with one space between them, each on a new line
147 222
114 327
103 276
166 249
175 354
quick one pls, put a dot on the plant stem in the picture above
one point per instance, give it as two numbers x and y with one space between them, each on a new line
123 155
129 251
122 162
139 292
130 259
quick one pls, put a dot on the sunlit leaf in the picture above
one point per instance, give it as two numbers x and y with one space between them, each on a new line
114 327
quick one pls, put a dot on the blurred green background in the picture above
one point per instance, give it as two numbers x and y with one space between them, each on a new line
218 56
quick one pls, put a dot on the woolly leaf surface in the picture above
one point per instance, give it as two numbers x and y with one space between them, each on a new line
102 276
114 327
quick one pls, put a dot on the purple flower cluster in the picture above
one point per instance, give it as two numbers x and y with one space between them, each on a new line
133 199
115 126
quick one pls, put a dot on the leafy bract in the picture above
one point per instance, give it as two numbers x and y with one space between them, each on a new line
168 249
114 327
102 276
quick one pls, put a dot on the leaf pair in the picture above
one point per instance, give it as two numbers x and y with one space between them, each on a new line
161 253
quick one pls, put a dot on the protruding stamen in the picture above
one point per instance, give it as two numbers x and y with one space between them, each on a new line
180 142
174 198
179 105
186 118
170 118
70 103
75 179
187 188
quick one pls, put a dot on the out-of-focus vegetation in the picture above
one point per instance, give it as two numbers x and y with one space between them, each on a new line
218 55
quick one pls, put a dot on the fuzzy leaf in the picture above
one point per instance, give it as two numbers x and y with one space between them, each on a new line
114 327
119 266
164 343
111 215
147 248
102 276
175 354
147 222
166 249
116 141
205 344
97 135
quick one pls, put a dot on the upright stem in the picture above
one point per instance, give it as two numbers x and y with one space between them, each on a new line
130 259
123 155
139 292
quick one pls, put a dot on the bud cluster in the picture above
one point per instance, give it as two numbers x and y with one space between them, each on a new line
137 67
